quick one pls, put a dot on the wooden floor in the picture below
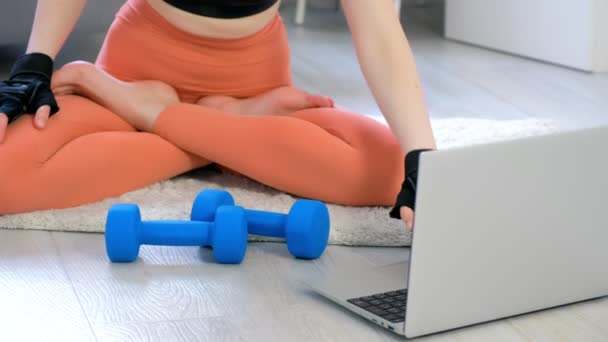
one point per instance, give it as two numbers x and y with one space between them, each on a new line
60 286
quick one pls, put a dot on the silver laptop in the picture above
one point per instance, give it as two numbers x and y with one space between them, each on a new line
500 229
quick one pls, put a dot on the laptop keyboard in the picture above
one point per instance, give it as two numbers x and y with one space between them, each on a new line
388 305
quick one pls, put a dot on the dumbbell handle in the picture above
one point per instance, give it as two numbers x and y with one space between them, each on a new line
266 223
175 233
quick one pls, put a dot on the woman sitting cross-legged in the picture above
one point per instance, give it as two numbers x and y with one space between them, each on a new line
181 84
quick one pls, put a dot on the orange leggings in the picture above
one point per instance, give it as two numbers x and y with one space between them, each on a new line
87 153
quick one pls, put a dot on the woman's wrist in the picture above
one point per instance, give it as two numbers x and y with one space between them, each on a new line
34 64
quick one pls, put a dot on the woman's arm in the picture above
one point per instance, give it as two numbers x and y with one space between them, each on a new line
29 81
53 23
388 65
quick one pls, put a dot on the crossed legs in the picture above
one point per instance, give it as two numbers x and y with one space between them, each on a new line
88 153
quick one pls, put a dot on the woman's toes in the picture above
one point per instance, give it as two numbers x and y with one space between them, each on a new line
214 101
320 101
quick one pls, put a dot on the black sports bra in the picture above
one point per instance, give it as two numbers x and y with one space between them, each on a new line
223 8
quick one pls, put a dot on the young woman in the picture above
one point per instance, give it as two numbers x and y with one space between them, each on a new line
179 84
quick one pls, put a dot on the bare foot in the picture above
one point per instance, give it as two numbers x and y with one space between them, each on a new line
279 101
138 103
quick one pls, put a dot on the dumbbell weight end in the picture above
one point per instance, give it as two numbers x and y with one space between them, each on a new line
307 229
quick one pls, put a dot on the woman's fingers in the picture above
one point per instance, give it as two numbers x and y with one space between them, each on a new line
407 215
42 116
40 120
3 125
63 89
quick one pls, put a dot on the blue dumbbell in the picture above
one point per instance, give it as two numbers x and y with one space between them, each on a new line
306 227
125 232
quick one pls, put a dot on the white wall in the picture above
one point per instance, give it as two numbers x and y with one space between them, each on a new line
17 16
558 31
601 35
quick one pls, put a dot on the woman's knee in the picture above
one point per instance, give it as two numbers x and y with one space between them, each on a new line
376 180
16 184
369 182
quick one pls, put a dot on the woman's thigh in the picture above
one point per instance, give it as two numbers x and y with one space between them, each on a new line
93 167
78 116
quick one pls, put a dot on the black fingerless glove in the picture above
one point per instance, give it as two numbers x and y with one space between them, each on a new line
28 87
407 195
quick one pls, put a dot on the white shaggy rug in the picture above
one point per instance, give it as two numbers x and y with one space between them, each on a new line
364 226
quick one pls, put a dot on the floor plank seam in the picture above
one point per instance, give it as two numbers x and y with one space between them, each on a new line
67 274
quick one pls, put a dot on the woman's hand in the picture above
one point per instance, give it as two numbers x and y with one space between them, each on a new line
406 199
40 119
27 91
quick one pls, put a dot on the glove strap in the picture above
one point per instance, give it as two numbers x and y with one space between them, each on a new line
35 63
